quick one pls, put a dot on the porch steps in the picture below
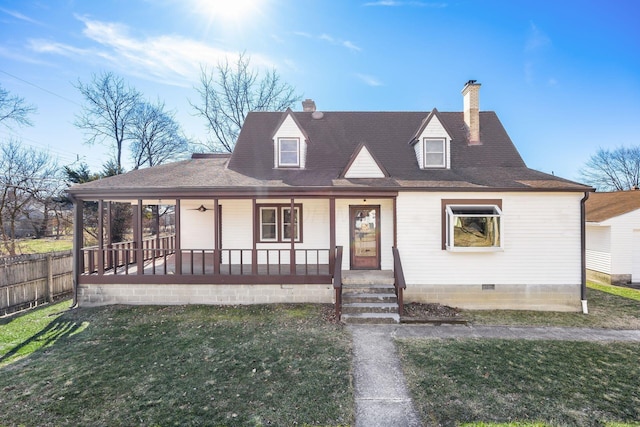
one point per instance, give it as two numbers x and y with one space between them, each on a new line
369 297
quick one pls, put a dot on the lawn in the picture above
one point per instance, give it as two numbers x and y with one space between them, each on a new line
557 383
41 246
277 365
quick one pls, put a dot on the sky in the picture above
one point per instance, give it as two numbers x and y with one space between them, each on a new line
563 76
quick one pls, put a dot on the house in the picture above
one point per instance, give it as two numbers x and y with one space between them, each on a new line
613 237
441 199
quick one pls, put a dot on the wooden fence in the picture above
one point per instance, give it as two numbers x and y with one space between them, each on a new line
29 280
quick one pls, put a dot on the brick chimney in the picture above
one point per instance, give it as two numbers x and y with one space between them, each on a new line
308 105
471 98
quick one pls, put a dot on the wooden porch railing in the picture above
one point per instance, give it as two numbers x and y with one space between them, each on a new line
399 282
123 254
337 281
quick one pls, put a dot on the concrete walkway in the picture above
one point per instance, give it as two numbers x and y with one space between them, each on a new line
381 394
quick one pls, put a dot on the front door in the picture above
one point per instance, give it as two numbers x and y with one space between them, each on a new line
365 237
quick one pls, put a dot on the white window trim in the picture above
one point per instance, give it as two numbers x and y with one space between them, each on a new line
288 165
444 152
450 224
262 238
296 217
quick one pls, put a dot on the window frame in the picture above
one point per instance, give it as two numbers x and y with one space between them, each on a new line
448 223
282 164
280 224
442 165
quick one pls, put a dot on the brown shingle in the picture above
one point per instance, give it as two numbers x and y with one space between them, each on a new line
602 206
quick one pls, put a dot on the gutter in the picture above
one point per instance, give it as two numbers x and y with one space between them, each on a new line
583 248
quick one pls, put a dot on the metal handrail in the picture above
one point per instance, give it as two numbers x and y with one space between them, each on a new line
399 281
337 281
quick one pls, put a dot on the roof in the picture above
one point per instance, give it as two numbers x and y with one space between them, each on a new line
331 143
603 206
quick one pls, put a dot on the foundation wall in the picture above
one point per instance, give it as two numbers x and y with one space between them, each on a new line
131 294
498 296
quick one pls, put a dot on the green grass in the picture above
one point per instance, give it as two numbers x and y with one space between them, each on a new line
261 365
606 310
516 381
40 246
616 290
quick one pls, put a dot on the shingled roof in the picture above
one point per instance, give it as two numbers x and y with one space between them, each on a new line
332 141
603 206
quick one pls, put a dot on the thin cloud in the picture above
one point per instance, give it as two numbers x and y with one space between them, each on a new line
19 16
168 59
536 39
332 40
368 80
398 3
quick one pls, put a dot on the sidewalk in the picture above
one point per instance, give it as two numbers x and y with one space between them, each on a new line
381 394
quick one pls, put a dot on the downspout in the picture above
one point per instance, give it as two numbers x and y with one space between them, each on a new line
583 261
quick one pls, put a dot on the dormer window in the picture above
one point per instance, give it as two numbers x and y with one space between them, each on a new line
288 152
434 152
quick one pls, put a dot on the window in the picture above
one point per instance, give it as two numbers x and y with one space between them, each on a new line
473 227
288 152
434 152
276 223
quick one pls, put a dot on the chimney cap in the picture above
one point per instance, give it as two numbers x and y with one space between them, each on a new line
308 105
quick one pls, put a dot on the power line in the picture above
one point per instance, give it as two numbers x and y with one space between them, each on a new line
40 87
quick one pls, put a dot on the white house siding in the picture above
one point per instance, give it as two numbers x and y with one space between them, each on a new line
386 229
289 129
538 268
622 244
364 166
598 245
196 227
635 272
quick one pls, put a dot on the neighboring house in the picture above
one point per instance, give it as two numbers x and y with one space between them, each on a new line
613 237
473 226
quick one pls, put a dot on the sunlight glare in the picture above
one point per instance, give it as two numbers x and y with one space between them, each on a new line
231 12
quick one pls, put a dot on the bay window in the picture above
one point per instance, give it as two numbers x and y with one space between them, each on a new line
473 227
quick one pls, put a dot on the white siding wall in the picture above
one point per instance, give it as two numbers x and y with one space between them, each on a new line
289 129
364 166
541 240
196 230
598 242
622 245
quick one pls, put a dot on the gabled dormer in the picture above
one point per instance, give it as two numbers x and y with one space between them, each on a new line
432 143
289 143
363 164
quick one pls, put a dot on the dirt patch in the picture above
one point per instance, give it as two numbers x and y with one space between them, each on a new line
431 313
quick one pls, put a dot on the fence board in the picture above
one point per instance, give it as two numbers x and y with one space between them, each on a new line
29 280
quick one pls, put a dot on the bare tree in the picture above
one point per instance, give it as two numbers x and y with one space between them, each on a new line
228 94
613 170
108 111
27 177
156 136
14 109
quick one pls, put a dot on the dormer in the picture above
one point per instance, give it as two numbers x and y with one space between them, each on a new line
289 143
432 143
363 164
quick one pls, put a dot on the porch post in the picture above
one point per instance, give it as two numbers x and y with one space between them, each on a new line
293 225
109 239
178 255
78 241
216 245
157 225
100 237
254 252
138 239
332 234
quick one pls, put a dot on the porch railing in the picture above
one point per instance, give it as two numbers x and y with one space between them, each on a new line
123 254
337 281
399 281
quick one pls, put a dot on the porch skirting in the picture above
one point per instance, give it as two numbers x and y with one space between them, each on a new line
498 297
90 295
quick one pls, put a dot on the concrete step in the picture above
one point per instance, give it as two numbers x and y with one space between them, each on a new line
367 277
349 297
370 318
369 307
375 289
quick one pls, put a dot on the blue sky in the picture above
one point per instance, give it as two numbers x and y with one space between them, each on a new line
563 76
